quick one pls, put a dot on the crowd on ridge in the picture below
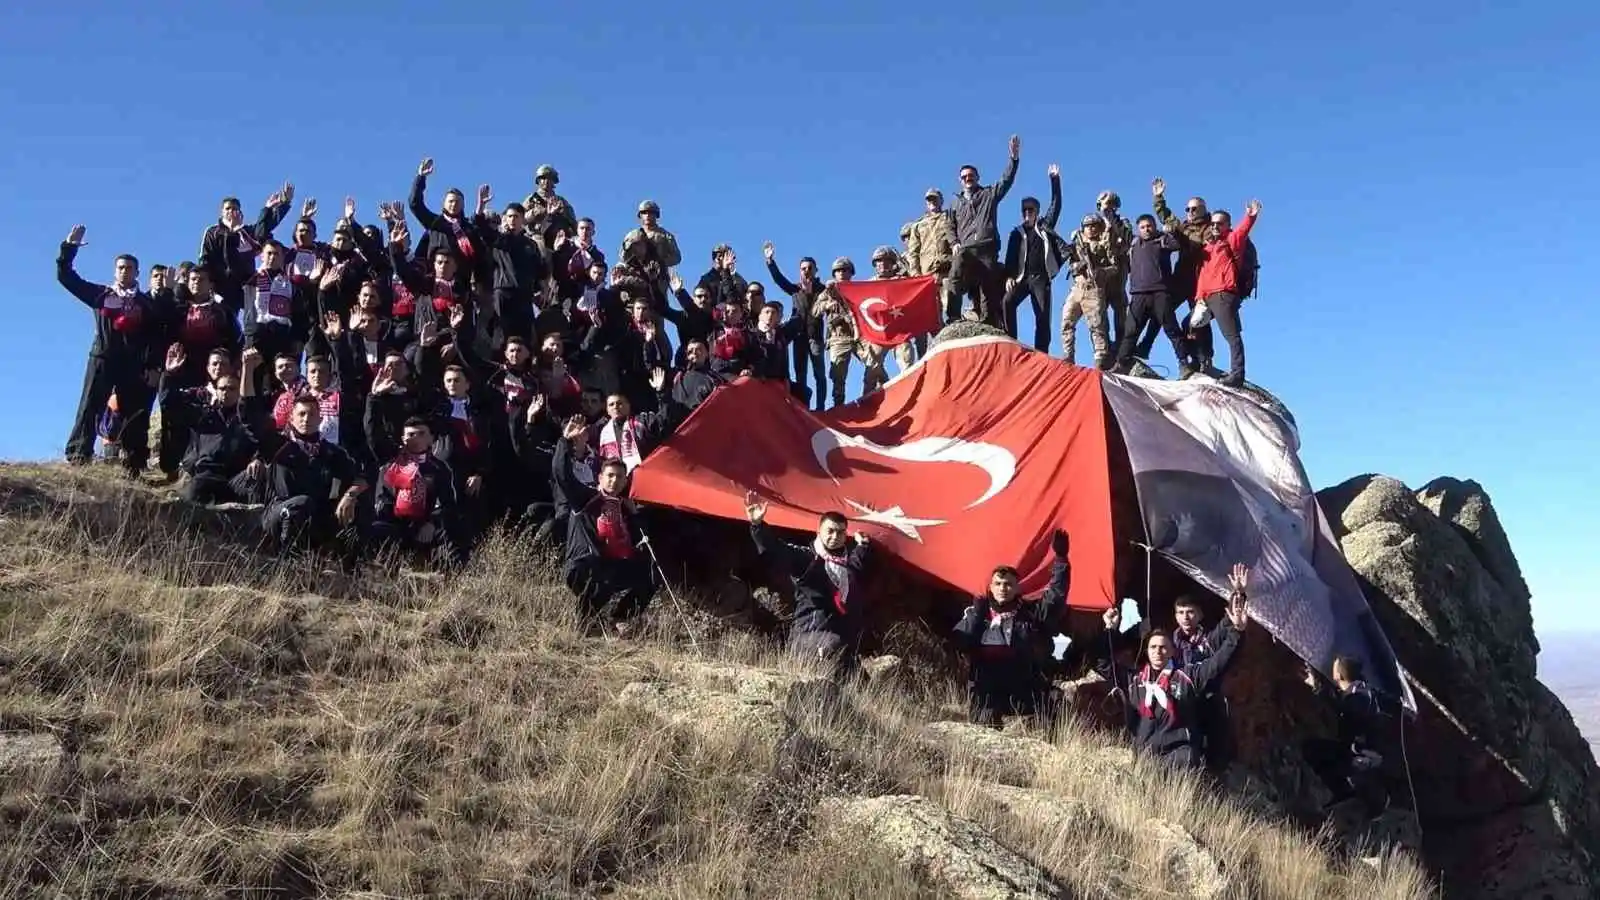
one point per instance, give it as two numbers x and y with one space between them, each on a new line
409 386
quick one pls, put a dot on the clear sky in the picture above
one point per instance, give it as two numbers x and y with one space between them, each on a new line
1424 301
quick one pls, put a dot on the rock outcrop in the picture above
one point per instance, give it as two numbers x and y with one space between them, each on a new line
1507 789
949 851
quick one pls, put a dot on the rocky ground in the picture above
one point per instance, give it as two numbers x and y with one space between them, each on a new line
182 717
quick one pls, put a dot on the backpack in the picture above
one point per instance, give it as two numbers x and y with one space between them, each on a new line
1247 268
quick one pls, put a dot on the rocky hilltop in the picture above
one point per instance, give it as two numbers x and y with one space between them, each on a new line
182 717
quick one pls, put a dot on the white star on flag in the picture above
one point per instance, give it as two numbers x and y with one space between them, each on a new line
894 517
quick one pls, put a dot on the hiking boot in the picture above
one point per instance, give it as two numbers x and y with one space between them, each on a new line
1186 371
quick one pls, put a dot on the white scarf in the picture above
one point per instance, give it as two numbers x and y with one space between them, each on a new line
118 297
838 573
272 297
621 443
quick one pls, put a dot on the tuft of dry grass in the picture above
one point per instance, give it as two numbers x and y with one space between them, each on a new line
230 723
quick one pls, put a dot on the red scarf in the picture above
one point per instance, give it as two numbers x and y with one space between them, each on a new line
404 475
202 325
465 432
328 404
302 262
838 569
621 441
124 308
463 242
516 387
274 295
611 526
729 343
1158 693
284 405
405 305
444 295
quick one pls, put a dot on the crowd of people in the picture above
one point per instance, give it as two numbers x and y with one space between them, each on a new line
409 386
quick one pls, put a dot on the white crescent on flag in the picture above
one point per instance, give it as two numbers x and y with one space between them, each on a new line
866 313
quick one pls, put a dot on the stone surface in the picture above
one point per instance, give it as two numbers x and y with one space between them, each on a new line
24 750
952 852
1507 789
1018 758
706 710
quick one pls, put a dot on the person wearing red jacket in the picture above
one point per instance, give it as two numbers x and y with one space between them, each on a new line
1218 285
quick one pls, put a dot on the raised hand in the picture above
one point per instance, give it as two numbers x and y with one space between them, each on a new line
75 236
1060 543
1158 188
755 509
676 283
535 407
287 192
1016 147
175 357
1253 207
331 326
860 539
575 428
658 379
250 359
484 194
349 209
308 209
1054 171
1238 578
458 315
474 485
429 333
426 168
769 251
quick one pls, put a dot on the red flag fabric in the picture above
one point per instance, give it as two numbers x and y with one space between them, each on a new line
968 460
892 311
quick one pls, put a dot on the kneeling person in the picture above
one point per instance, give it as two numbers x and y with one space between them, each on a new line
1000 633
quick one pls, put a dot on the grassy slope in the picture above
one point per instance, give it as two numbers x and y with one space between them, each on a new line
232 725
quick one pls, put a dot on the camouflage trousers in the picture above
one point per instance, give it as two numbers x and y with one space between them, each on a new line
872 357
1086 300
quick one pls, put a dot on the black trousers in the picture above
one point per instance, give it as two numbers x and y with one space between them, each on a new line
623 585
1148 310
1037 289
982 278
305 522
433 535
205 488
102 376
809 354
515 313
1224 306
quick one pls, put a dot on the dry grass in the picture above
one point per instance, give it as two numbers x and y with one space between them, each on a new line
235 725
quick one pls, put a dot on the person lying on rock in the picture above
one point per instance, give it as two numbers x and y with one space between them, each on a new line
828 585
1349 764
1000 632
1164 697
604 567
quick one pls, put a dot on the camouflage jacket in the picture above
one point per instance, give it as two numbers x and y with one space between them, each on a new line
1191 241
666 244
836 315
928 251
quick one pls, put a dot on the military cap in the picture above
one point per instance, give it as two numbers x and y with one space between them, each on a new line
547 171
650 206
843 262
883 252
933 194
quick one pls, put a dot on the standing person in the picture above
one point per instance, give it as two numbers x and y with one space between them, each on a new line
1164 696
1218 286
1350 764
841 330
1191 234
1092 269
1001 633
228 248
828 585
928 250
977 246
1033 257
1149 287
807 348
127 325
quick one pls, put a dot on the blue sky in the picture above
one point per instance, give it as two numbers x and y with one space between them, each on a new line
1423 169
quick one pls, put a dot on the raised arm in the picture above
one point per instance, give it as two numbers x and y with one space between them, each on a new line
1003 186
417 201
87 292
1053 211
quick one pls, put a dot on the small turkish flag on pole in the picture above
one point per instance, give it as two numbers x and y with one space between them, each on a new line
892 311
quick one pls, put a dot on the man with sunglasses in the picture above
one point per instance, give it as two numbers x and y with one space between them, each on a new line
1191 235
978 273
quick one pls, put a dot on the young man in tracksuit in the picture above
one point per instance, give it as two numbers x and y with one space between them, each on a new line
127 325
604 567
828 577
1150 294
1002 633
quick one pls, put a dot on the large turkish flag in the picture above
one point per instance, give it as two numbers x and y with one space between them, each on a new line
968 460
891 311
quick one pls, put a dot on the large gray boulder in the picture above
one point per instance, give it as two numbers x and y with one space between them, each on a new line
1508 792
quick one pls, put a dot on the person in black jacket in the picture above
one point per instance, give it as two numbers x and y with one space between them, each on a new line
604 567
977 271
219 439
574 475
722 281
449 229
1033 257
828 585
1164 698
519 271
299 471
415 506
1150 295
1002 635
1350 764
228 248
698 378
127 324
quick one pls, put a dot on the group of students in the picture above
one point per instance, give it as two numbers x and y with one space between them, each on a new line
373 392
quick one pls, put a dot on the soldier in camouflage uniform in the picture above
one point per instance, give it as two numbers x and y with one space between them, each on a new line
887 264
1119 233
928 250
841 334
664 241
1094 271
547 212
